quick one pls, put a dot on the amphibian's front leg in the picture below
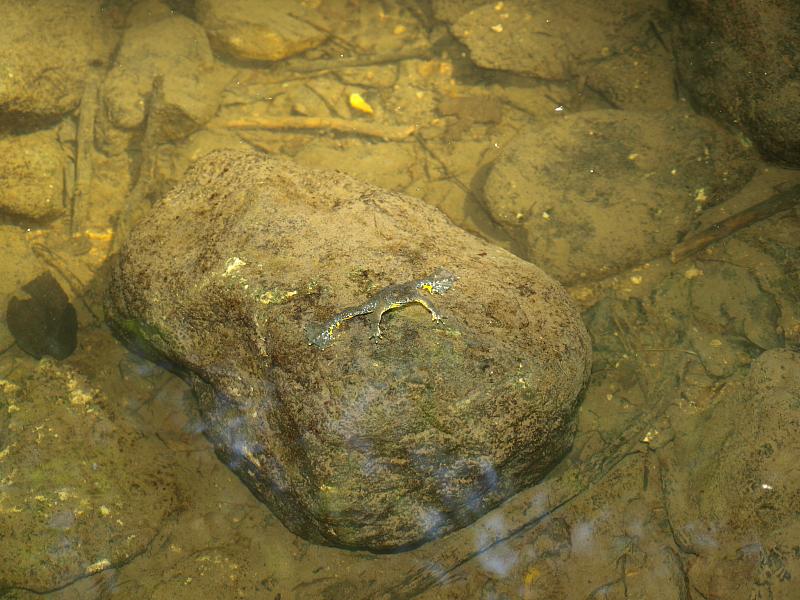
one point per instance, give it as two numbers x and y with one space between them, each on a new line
435 314
376 315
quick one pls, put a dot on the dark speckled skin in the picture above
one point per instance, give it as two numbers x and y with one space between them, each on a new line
389 298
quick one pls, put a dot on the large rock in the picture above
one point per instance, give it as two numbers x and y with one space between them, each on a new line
261 29
361 444
81 491
738 59
47 49
603 190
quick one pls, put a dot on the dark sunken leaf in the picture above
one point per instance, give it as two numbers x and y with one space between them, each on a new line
42 320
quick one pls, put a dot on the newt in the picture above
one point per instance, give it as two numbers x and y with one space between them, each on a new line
389 298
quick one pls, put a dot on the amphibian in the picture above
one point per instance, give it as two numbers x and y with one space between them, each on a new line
389 298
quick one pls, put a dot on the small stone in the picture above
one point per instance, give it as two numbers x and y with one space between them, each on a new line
176 49
267 30
32 176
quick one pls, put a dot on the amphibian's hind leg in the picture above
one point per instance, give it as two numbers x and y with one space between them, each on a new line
375 318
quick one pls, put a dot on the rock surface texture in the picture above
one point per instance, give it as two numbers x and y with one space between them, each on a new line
742 490
378 446
738 59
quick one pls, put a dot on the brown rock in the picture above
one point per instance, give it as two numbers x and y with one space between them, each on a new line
602 190
32 176
47 49
361 444
738 59
261 29
550 39
732 485
176 49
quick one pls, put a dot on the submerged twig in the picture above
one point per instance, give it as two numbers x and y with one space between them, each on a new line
778 203
330 64
149 148
387 132
83 158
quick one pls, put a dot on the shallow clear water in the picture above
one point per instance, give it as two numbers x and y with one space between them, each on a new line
681 481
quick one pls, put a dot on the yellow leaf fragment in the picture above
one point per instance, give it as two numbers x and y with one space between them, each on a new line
357 102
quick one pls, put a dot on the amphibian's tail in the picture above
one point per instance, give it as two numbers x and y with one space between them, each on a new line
317 335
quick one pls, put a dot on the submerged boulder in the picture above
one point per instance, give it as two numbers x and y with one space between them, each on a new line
596 192
353 441
47 52
737 59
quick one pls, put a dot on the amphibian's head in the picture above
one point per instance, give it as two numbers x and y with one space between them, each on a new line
440 281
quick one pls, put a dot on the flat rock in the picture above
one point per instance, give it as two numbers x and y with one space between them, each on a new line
548 39
32 176
46 52
378 446
738 61
592 193
267 30
81 491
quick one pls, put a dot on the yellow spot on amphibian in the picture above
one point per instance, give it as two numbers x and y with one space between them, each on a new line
357 102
